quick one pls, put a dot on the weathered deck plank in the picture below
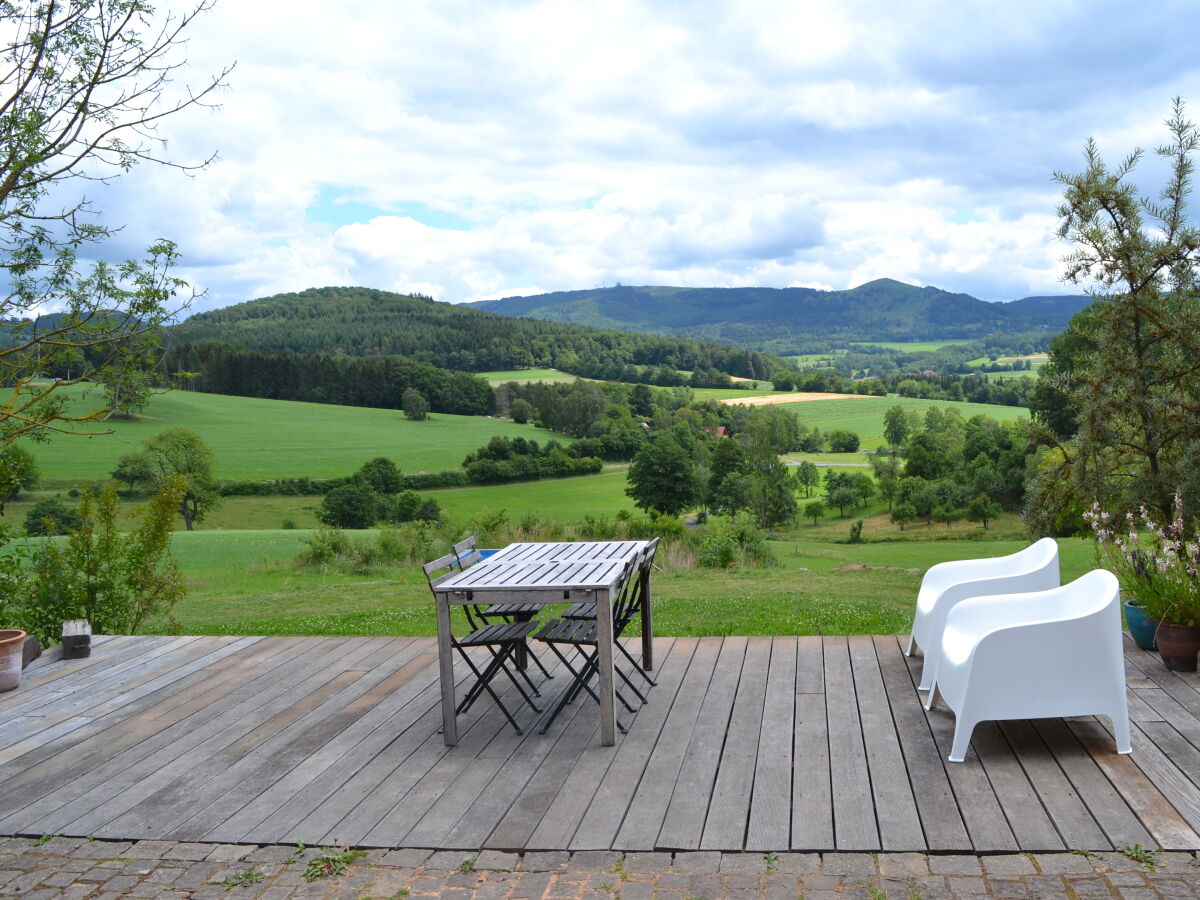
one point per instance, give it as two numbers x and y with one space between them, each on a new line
683 825
735 772
896 808
940 817
746 744
812 790
648 808
854 824
770 804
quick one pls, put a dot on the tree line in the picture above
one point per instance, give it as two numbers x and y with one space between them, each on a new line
370 323
374 381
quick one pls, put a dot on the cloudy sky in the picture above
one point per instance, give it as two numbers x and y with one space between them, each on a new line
479 150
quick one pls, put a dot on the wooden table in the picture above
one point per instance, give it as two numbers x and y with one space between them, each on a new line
550 572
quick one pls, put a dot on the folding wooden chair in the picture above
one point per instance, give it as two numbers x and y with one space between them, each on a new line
468 555
502 640
633 608
581 634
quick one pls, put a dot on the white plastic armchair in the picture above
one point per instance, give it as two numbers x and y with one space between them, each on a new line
1033 569
1034 655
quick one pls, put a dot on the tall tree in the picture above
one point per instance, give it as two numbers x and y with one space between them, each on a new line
896 426
663 477
416 407
183 454
83 85
1135 383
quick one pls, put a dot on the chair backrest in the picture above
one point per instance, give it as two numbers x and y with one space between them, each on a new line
1085 596
447 565
629 602
467 553
1038 556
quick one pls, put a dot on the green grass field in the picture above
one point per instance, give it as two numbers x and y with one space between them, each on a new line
524 375
808 360
246 583
561 499
1037 360
243 580
726 393
910 346
865 416
836 460
253 438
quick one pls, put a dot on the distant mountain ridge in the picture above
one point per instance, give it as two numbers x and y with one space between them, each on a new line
772 318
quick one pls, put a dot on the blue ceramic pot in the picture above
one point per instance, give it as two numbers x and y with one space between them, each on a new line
1141 628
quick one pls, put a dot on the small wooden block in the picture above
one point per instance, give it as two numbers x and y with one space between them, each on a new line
76 639
31 651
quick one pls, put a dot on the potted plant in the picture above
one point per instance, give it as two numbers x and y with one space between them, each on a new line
1141 627
12 654
1159 565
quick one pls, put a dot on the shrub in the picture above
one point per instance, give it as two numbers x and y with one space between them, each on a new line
117 580
349 506
323 547
408 544
429 511
403 507
841 441
379 475
18 472
423 481
734 541
51 517
521 411
285 487
416 407
718 550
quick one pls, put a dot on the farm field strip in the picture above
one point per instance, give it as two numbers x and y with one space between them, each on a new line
864 416
911 346
525 375
256 438
779 399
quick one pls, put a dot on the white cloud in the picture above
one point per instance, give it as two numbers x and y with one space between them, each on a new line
475 150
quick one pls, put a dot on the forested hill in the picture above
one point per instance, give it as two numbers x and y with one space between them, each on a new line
351 321
780 319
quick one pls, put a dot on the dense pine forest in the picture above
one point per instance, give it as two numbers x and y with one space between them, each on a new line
377 381
362 322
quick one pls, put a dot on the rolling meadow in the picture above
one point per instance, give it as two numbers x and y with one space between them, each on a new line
241 566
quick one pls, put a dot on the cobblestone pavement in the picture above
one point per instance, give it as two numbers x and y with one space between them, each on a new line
107 870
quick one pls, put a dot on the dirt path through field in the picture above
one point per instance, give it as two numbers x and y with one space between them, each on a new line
800 397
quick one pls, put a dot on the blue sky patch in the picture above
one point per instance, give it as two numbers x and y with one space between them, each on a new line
337 210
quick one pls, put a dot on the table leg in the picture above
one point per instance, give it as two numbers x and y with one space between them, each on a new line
446 672
604 650
647 621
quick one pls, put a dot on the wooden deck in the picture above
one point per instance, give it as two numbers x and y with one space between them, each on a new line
747 743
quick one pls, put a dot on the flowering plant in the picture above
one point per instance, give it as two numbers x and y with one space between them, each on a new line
1158 565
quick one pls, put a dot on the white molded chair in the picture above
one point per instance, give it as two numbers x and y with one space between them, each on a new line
1033 569
1035 655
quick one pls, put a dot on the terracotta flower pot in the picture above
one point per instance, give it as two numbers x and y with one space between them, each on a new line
1178 646
12 651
